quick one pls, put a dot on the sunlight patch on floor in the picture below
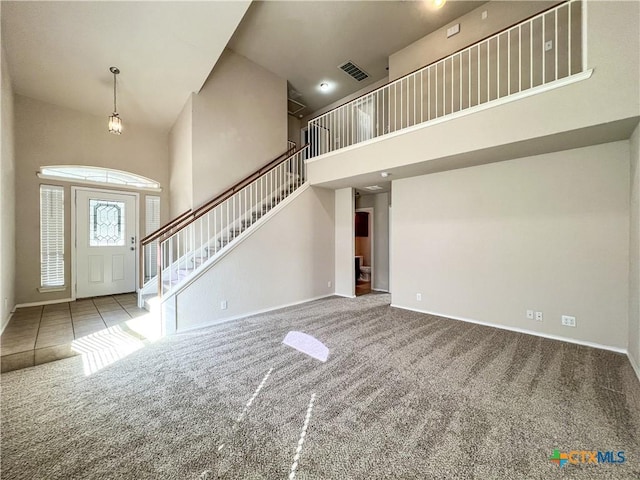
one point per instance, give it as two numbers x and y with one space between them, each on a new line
104 348
303 434
148 326
253 397
305 343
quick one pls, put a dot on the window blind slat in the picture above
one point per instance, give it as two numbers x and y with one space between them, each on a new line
51 236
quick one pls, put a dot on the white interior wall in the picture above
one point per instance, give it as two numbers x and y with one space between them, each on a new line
7 195
293 130
345 269
181 161
473 28
548 233
239 124
380 204
288 260
47 134
634 253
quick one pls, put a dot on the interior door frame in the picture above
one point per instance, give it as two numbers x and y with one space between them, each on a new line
74 189
370 211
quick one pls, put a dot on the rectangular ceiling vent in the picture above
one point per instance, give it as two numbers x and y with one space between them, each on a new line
354 71
294 108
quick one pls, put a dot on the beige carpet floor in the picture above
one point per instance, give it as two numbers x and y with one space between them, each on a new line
402 395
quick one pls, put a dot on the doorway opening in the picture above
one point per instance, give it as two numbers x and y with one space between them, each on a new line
371 214
364 268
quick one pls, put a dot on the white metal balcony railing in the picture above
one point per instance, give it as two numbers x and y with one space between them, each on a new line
212 228
543 49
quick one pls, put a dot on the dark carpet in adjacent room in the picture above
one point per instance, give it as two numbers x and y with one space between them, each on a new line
403 395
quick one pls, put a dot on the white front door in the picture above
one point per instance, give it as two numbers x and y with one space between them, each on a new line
105 243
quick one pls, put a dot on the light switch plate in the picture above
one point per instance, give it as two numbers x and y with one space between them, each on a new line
451 31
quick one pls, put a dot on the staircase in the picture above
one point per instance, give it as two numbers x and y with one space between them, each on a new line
190 242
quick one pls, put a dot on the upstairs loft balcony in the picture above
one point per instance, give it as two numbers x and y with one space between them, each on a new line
444 115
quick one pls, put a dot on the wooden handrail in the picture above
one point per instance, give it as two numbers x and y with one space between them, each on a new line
198 212
159 232
190 216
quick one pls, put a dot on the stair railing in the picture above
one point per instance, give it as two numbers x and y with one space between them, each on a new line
148 243
202 233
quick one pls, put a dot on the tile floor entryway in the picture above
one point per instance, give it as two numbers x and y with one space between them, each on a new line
37 335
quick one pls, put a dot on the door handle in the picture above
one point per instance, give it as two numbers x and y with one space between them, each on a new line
132 248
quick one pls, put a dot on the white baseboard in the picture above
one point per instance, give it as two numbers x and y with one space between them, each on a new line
8 320
380 290
635 366
521 330
46 302
251 314
343 296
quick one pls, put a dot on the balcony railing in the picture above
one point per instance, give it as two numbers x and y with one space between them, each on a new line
538 51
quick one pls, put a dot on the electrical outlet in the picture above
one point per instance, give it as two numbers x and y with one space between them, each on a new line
484 15
223 305
329 284
419 297
538 316
548 45
530 314
568 321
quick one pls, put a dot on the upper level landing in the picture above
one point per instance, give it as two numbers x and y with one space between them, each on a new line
564 79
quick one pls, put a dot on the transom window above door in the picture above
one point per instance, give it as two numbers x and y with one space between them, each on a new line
87 174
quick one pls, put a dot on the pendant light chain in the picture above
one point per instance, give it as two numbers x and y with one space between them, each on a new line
115 93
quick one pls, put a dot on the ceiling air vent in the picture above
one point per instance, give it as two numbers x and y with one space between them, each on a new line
294 108
354 71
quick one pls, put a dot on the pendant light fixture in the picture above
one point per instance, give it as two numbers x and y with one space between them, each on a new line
115 122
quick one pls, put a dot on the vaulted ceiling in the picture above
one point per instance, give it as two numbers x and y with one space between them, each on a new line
305 41
60 52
